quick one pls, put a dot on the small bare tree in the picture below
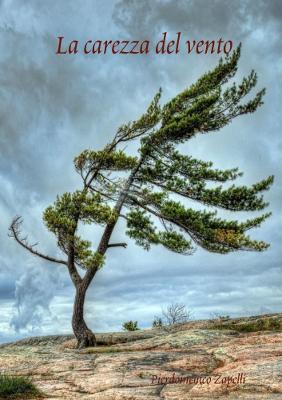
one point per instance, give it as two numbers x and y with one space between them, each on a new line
176 313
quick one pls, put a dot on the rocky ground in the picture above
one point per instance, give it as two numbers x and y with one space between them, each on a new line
127 366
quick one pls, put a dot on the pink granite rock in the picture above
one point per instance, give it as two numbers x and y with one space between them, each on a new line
181 363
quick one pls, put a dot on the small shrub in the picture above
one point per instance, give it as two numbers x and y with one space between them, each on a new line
224 317
157 323
16 387
219 317
130 326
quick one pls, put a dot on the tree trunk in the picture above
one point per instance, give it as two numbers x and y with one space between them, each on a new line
85 337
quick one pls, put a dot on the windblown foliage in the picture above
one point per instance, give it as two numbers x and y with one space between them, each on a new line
153 190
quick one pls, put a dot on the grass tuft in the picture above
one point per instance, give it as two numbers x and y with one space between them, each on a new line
17 387
107 349
267 324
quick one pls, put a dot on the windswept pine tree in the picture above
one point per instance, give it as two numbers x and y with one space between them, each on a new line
149 190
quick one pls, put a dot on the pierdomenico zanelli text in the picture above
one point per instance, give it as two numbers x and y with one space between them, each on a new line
200 380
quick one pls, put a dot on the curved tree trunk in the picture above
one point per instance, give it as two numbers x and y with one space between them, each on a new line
85 337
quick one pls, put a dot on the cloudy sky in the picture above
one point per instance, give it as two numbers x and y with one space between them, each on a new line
52 107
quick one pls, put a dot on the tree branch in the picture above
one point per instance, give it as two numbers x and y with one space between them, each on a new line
117 245
96 170
103 245
16 234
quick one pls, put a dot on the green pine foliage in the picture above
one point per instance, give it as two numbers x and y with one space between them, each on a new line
113 161
130 326
62 218
148 190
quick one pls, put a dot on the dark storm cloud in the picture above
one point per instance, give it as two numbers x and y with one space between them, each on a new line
36 104
53 107
7 287
32 298
197 17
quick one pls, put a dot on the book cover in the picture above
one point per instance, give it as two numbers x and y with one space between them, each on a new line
140 190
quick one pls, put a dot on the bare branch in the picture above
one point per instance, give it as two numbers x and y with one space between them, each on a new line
176 314
117 245
15 232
